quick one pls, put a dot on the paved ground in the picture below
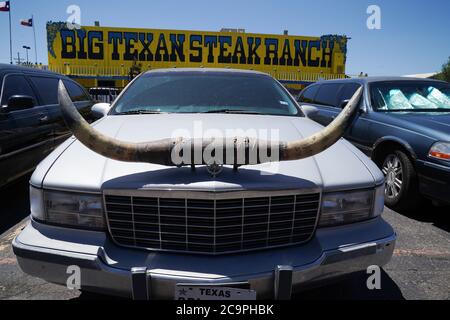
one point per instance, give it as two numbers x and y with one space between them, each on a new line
420 268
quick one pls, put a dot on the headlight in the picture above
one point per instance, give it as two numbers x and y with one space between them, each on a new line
441 151
37 204
67 209
378 207
350 207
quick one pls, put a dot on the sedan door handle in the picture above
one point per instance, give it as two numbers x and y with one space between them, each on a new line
43 119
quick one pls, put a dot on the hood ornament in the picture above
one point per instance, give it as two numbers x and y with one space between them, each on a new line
214 169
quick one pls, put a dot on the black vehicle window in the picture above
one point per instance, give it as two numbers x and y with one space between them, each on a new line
16 85
47 89
328 94
75 91
348 91
309 94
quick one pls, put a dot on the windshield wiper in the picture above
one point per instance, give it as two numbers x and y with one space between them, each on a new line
132 112
231 111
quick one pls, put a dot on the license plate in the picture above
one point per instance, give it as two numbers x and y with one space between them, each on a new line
196 293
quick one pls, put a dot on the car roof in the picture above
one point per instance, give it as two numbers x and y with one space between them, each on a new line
209 71
14 68
367 80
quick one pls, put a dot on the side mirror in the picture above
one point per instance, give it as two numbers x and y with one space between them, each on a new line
344 103
3 111
100 110
16 103
363 109
310 111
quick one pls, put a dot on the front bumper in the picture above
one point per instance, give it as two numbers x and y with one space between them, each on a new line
434 181
47 252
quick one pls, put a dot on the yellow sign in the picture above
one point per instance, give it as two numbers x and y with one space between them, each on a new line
116 48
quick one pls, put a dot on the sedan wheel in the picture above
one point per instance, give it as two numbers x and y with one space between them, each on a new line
393 171
402 190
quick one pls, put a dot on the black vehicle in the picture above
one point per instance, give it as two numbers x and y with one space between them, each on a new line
31 125
403 125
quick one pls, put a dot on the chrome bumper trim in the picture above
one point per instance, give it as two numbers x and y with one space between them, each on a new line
100 277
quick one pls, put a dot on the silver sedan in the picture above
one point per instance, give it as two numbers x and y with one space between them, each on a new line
204 184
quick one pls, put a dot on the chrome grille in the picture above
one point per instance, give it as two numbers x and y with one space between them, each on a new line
211 226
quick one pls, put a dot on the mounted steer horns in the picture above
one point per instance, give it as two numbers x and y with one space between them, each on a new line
179 152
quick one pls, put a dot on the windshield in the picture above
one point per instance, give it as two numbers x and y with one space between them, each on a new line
202 92
410 96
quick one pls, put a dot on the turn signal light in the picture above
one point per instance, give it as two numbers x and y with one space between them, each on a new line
440 150
440 155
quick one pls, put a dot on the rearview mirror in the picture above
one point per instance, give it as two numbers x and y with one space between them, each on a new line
20 102
310 111
100 110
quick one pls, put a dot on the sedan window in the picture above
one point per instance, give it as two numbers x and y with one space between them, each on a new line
75 91
309 95
348 91
328 94
47 89
16 85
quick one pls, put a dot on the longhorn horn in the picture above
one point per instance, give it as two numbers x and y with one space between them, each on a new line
161 152
326 138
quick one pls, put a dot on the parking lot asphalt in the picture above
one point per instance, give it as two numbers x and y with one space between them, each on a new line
420 268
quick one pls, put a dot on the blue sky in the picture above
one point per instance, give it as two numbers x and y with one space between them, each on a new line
414 38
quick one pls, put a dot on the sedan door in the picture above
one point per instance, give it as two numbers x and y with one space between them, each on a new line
47 88
25 135
327 101
307 98
324 97
358 133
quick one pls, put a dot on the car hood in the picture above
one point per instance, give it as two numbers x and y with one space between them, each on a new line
74 167
435 123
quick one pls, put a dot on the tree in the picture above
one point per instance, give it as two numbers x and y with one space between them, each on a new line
445 74
135 70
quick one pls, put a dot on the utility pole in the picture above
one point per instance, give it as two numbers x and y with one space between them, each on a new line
34 33
27 48
19 61
10 36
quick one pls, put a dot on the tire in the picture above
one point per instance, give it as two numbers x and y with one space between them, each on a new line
402 188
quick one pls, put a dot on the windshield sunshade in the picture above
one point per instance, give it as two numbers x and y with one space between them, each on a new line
410 96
